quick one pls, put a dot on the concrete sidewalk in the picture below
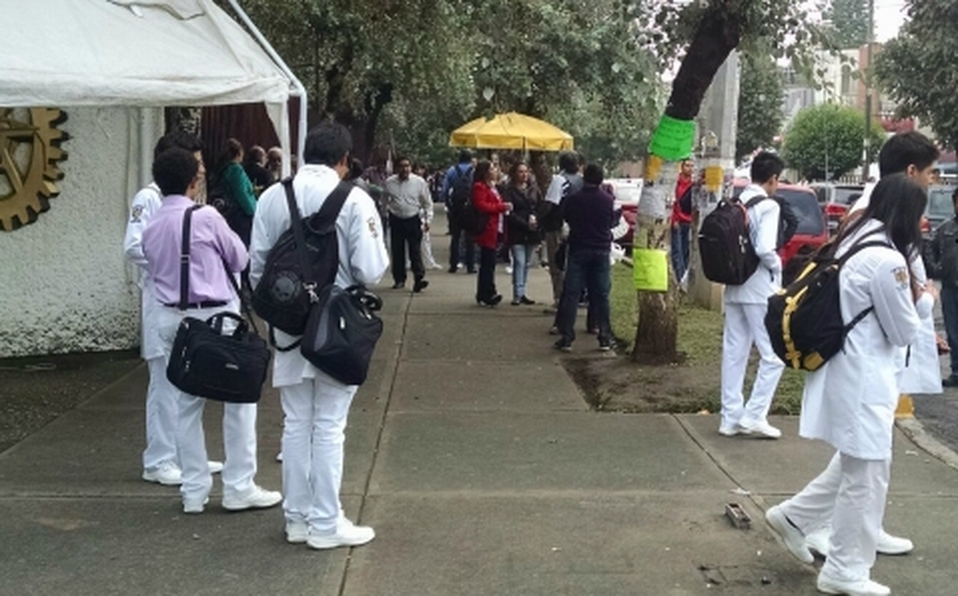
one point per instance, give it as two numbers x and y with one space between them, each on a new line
482 470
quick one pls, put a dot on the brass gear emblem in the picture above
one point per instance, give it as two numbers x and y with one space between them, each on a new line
29 155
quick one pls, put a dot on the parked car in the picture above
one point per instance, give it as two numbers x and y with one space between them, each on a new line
836 200
627 192
812 231
939 209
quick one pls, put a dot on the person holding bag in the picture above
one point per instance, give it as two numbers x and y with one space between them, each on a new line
315 404
212 243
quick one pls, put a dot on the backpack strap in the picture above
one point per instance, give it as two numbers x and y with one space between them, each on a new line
858 247
185 258
756 200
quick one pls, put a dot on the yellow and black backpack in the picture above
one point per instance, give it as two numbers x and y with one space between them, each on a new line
804 319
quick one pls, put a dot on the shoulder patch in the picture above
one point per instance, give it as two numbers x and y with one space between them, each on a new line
373 228
136 213
901 276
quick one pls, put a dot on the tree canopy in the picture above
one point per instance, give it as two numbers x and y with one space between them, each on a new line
849 20
918 68
825 141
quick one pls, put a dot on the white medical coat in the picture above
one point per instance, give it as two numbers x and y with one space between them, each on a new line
850 402
763 220
145 203
362 252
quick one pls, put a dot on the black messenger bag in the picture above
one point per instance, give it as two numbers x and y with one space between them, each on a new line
209 361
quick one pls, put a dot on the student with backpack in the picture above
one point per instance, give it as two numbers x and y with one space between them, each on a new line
745 307
850 401
566 182
456 193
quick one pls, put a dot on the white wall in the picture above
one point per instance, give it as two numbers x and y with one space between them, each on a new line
65 285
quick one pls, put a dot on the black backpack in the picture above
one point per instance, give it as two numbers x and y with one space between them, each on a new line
551 218
471 220
292 280
685 201
728 256
804 319
460 192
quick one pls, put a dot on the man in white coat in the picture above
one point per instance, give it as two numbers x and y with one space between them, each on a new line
315 405
850 401
160 461
745 307
914 155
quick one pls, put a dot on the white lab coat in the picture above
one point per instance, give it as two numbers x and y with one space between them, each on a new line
919 370
763 229
145 203
850 402
362 252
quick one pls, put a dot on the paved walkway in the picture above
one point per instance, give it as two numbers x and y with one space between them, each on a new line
475 458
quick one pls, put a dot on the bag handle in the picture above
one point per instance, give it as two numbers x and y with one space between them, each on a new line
185 258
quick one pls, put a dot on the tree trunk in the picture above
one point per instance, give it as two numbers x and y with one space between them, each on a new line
717 34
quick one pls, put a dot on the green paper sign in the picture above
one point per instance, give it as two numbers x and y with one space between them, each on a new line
650 269
673 139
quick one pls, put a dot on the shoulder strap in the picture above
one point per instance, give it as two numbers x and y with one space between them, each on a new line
185 258
859 246
755 201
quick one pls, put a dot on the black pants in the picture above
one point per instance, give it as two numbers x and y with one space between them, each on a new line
458 235
404 232
486 282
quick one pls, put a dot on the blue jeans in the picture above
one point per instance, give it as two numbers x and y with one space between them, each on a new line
588 269
949 308
521 257
680 249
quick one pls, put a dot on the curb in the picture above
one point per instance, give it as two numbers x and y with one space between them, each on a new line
915 431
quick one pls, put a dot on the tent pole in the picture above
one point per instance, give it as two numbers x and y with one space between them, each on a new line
299 89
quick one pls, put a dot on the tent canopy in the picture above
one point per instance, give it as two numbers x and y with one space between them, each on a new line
146 53
511 131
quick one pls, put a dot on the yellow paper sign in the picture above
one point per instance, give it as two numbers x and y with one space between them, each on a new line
713 178
650 269
653 167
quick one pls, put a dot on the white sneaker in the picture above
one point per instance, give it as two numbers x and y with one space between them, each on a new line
167 474
817 541
862 587
297 532
279 456
256 498
346 534
215 466
194 505
730 430
893 545
792 537
760 427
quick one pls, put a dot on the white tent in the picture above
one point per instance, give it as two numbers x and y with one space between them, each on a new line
140 53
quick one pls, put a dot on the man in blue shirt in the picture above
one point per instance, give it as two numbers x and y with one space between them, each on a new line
456 190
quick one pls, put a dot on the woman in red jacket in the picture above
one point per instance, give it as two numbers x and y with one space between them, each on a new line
487 202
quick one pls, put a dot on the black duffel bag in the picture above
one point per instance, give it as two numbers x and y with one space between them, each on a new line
209 361
342 332
225 367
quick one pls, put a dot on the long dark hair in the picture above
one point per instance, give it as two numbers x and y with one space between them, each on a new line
898 203
482 171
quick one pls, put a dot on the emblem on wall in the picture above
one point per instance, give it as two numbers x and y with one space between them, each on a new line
29 155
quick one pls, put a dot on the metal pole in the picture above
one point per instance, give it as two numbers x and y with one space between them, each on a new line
866 166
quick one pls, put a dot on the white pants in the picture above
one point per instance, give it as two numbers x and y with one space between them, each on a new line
745 325
313 436
239 428
428 261
160 417
850 494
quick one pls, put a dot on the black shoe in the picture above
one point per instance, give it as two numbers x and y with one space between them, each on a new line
399 285
605 345
525 300
453 269
562 345
951 381
420 285
491 301
516 302
471 270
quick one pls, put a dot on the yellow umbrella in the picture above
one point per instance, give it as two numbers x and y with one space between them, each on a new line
511 131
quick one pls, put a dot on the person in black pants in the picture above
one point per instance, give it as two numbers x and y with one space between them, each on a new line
489 204
456 192
407 195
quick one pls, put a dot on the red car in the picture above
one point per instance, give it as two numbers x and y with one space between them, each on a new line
812 231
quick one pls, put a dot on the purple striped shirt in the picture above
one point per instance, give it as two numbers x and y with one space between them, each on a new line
211 242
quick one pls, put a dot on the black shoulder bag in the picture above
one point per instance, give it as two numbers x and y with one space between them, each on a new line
205 361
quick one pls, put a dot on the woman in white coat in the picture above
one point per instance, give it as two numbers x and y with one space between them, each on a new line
850 402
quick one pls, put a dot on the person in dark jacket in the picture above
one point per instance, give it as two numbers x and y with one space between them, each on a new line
522 229
944 252
590 214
